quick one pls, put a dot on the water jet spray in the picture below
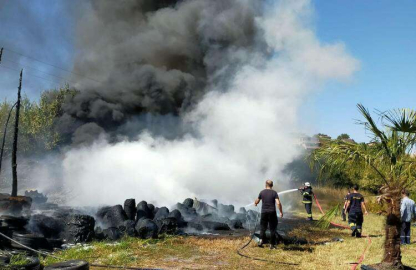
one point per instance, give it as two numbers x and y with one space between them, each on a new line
279 193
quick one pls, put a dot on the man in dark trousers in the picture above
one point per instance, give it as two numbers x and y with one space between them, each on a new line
346 199
268 218
355 215
407 212
307 194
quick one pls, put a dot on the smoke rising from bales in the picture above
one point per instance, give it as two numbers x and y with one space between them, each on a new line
243 112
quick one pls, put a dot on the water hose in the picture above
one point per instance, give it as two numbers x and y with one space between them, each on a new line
360 260
259 259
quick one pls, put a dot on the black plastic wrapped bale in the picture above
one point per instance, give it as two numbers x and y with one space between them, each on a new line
79 229
147 228
143 211
252 215
99 234
128 228
225 210
47 226
239 216
215 203
65 213
204 208
187 213
30 240
215 226
188 202
13 223
155 211
162 213
152 210
69 265
115 216
5 243
54 243
112 233
179 218
194 226
212 217
167 225
102 212
236 224
130 208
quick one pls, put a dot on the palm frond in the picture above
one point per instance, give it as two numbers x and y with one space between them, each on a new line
371 126
401 120
326 220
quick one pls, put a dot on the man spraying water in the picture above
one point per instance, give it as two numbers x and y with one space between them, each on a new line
307 194
268 218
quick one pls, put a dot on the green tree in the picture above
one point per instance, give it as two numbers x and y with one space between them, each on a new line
343 136
388 159
38 121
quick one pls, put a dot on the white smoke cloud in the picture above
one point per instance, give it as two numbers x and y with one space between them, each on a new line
244 134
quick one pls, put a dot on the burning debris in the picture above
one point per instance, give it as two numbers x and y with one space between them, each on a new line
37 198
57 227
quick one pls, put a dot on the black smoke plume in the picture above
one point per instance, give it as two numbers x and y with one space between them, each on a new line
153 57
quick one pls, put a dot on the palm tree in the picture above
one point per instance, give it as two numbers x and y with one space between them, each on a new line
389 156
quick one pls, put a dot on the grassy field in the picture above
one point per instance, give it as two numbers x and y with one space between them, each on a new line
220 253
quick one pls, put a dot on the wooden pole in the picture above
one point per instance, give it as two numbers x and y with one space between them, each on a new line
5 134
16 134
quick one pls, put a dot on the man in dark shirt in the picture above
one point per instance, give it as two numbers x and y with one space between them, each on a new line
356 206
268 218
307 194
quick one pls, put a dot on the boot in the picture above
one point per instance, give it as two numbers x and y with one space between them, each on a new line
260 243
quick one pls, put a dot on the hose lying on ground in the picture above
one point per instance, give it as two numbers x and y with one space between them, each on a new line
259 259
360 260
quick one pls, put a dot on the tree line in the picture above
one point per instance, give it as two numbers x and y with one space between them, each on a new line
38 122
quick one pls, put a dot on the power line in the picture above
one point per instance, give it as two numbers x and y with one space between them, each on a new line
29 67
29 74
3 66
55 66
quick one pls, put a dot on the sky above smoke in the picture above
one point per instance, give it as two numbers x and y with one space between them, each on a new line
234 73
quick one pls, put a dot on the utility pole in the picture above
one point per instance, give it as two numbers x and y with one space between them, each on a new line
16 134
5 134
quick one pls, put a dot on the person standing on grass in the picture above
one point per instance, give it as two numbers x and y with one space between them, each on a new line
269 199
355 215
407 212
307 194
346 199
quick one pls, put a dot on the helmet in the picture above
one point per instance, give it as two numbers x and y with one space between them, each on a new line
307 184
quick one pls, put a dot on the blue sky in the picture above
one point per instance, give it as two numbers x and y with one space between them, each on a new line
380 34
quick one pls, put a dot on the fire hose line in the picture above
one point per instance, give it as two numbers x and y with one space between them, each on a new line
60 258
360 260
259 259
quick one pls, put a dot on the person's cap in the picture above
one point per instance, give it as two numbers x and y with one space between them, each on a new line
307 184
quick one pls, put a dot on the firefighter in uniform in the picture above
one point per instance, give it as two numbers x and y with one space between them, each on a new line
356 206
307 194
